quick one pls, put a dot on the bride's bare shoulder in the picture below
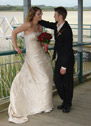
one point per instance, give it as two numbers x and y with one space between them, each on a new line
28 24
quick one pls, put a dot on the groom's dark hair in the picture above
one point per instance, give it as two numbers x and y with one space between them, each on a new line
62 11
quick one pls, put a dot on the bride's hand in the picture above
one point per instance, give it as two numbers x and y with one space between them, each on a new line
18 50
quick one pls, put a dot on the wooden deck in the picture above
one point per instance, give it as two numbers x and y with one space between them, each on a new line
80 114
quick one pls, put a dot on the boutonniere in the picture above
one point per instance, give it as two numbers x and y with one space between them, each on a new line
60 32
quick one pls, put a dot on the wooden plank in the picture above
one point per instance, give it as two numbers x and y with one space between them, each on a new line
80 114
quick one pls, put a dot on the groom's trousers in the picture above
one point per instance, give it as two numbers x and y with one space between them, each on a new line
64 83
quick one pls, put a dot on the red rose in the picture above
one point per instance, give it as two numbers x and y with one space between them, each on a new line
44 38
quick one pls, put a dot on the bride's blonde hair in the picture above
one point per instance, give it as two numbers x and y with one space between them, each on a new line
31 13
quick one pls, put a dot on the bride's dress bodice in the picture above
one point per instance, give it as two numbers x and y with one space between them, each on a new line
32 45
34 50
31 36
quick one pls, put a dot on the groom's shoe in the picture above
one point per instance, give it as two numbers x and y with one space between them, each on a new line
66 109
60 107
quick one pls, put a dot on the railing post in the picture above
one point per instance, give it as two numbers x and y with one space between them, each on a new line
80 66
4 28
80 39
13 20
90 31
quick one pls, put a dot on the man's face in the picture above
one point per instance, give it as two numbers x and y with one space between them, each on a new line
56 16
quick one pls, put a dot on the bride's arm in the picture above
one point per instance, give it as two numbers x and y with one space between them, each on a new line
21 28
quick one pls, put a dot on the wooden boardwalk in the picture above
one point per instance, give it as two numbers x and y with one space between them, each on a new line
80 114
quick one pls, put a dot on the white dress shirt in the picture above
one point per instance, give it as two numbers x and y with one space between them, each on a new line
59 27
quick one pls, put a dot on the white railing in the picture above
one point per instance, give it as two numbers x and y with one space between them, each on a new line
6 25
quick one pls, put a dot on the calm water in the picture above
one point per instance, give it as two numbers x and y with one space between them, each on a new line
72 16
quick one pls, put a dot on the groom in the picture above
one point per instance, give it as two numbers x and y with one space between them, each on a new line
63 75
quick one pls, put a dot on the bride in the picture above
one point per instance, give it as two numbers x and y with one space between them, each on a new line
31 90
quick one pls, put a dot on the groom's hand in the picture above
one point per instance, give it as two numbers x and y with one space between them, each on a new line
62 71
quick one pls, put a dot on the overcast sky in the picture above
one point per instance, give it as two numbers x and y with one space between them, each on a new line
66 3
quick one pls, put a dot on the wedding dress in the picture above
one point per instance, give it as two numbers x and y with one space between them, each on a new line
31 90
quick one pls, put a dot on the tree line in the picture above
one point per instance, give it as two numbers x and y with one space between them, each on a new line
43 7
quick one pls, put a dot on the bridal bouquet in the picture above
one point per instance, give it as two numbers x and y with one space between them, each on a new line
44 38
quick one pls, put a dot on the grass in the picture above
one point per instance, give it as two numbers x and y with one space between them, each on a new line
9 67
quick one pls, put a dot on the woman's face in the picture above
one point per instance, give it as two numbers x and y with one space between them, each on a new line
38 15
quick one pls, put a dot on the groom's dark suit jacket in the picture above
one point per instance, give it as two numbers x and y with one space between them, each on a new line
63 48
63 43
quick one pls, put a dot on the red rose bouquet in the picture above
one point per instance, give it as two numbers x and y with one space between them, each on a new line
44 38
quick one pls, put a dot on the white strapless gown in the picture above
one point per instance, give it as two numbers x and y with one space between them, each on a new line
31 90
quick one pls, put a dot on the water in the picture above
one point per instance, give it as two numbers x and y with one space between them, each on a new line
72 16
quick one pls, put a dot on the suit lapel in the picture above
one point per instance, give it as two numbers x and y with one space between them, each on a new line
61 29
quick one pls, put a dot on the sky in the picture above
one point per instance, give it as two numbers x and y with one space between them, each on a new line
65 3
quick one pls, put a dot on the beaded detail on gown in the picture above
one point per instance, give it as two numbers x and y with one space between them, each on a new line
31 90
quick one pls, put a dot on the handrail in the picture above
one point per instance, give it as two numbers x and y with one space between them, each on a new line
83 24
11 52
84 27
81 44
